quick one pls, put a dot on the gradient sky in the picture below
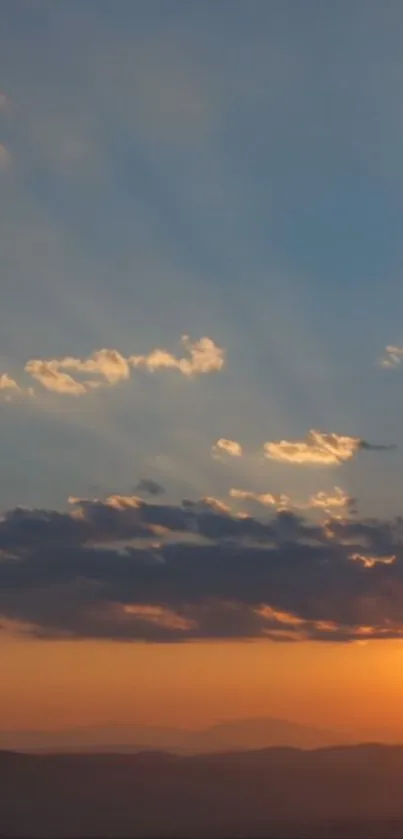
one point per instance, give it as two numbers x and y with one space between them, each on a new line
224 170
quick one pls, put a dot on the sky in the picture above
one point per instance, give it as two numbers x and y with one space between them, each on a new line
201 362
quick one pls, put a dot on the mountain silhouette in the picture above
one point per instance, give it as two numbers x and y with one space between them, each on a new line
225 736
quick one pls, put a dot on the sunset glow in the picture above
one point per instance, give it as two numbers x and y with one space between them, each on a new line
201 391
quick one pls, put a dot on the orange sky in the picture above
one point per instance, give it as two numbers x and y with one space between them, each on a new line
49 684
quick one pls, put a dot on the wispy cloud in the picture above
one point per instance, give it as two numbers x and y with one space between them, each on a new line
392 357
7 383
226 447
9 389
319 449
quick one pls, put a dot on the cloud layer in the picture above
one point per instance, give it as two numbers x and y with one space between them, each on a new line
96 571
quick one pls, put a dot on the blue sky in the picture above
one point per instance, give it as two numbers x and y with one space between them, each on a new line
230 170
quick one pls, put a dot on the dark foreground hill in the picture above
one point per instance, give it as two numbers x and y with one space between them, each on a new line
354 791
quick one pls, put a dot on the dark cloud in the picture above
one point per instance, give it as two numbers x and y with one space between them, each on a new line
149 487
67 574
373 447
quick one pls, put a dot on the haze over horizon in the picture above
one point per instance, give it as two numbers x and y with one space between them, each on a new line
230 735
201 364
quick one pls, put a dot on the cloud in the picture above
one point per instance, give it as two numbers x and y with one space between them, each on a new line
392 357
48 374
319 449
264 498
371 561
8 385
109 364
208 503
109 367
325 501
150 487
373 447
205 357
9 389
95 572
328 502
230 447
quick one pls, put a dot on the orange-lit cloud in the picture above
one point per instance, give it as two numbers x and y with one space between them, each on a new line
160 617
109 367
8 384
371 561
224 446
49 375
326 501
10 389
286 618
204 356
318 449
208 503
264 498
109 364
